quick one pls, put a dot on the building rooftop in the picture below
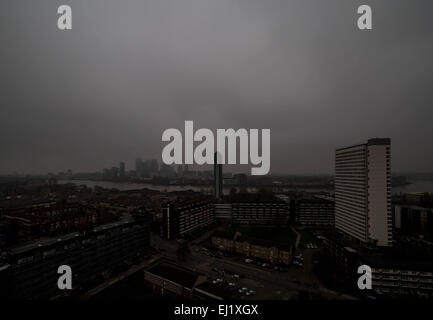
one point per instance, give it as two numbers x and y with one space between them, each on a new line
370 142
175 273
20 203
269 239
254 198
212 291
189 201
45 242
397 261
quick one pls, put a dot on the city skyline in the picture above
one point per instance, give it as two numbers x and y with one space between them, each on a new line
130 166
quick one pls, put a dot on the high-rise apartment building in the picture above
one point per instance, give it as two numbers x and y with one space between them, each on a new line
363 191
218 175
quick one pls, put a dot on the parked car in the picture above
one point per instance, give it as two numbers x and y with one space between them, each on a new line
250 293
243 290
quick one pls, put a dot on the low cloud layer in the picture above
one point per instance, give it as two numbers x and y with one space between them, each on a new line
106 90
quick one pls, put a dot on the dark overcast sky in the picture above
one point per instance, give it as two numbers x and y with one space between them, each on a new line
106 90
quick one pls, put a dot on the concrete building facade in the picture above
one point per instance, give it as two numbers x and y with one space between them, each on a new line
363 191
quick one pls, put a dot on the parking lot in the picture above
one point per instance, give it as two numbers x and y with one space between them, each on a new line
262 282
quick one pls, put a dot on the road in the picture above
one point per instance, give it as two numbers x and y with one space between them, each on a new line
268 283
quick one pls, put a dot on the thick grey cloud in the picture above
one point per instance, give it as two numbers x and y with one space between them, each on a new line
106 90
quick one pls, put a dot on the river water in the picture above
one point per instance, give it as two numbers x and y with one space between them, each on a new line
416 186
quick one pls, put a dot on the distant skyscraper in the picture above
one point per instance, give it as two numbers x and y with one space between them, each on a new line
138 167
122 170
114 173
218 175
166 170
154 167
362 191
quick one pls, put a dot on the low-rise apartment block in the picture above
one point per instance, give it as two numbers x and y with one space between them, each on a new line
32 267
256 248
315 213
185 217
273 213
400 275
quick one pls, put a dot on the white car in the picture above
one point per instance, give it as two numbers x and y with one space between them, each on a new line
248 260
251 293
